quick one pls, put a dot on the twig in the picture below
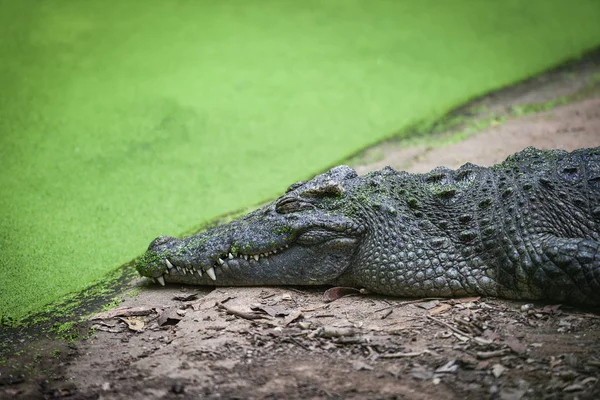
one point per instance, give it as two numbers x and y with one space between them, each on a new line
314 308
241 314
404 303
588 315
401 355
404 319
296 342
386 314
331 332
407 303
453 329
389 305
484 355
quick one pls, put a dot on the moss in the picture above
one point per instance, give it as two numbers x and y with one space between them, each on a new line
65 330
147 263
114 303
133 292
80 303
283 230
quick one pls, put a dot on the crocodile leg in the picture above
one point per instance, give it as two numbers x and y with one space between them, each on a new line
571 270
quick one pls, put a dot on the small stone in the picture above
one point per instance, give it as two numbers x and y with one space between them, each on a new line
498 370
589 380
450 367
428 305
576 387
512 394
177 388
304 324
482 341
361 366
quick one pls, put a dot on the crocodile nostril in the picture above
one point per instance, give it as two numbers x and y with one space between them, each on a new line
159 241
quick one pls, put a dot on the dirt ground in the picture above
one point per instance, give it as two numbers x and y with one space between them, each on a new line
305 343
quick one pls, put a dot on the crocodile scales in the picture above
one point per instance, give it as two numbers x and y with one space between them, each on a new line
527 228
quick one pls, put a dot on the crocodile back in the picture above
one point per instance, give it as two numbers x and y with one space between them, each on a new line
558 193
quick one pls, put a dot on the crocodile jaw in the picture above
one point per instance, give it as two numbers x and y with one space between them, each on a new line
290 264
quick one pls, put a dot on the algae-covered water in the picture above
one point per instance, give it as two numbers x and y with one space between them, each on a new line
123 120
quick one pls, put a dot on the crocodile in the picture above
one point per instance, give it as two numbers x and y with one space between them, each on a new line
527 228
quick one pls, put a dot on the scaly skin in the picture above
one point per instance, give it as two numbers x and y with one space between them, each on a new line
528 228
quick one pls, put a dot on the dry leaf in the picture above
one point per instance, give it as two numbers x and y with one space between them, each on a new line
186 297
339 292
124 312
168 317
294 316
467 299
273 311
133 323
440 309
428 305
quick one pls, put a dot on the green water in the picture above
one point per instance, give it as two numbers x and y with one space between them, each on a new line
123 120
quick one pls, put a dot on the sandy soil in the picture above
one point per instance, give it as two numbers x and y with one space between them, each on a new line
272 343
568 127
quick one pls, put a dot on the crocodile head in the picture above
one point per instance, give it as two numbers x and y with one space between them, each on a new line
306 237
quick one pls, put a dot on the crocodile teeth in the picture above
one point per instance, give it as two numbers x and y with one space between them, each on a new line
246 257
256 257
161 280
169 265
274 251
211 272
199 271
221 262
230 256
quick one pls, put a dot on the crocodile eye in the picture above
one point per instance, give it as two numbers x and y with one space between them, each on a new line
294 186
288 205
